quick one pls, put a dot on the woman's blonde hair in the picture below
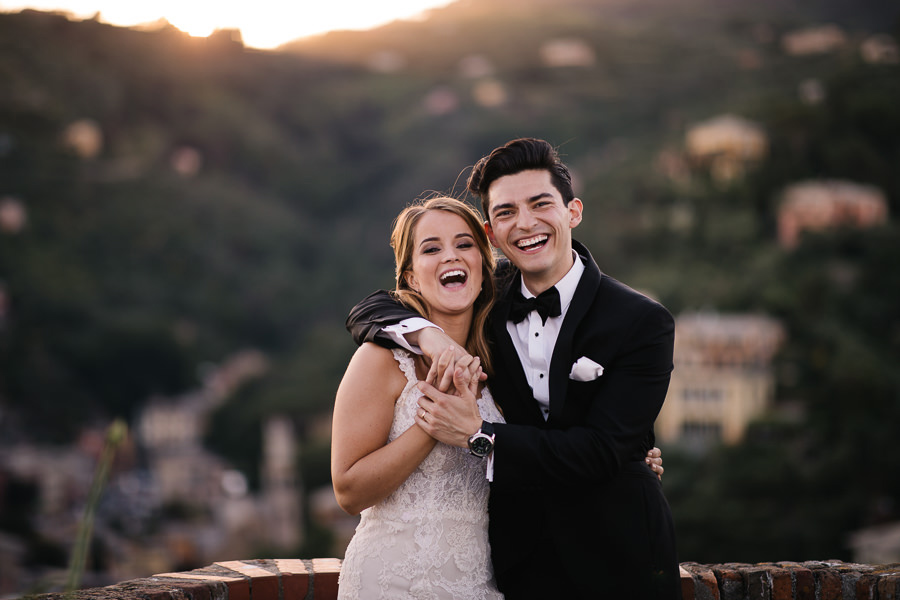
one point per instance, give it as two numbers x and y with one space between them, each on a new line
403 240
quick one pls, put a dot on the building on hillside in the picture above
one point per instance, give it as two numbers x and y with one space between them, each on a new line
722 378
184 472
13 215
821 39
171 433
476 66
490 93
84 138
823 204
567 52
879 544
811 92
387 61
726 145
228 39
281 503
880 49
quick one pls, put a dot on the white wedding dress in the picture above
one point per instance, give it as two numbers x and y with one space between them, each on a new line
427 540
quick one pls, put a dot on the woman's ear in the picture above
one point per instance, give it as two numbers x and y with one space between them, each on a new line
411 281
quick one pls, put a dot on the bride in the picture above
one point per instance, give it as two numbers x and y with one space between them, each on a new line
423 530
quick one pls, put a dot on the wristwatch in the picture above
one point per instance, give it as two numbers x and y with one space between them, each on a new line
481 443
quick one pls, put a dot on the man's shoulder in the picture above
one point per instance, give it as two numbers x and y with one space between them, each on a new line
611 285
613 295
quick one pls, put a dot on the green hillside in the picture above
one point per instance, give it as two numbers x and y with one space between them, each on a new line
244 199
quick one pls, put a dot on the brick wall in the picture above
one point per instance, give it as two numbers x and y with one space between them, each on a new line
813 580
316 579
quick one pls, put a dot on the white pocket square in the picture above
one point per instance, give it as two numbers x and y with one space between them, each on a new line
585 369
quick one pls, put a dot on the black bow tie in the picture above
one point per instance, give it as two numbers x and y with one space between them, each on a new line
547 305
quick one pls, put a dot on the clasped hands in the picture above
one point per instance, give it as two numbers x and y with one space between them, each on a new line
448 408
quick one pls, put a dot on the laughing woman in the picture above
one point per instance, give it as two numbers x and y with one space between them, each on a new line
423 530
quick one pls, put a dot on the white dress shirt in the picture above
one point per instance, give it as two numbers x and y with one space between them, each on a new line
535 340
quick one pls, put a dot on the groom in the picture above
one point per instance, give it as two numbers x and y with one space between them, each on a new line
580 373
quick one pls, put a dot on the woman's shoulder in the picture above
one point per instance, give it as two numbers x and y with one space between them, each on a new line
376 361
372 351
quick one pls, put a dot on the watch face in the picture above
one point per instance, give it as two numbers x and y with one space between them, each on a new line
481 445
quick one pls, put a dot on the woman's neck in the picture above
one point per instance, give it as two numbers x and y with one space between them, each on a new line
456 326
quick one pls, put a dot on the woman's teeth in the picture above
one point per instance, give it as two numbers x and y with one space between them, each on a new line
453 277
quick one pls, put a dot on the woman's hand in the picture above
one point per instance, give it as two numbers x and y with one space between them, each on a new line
451 416
451 368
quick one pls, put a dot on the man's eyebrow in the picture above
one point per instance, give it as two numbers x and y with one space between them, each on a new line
534 198
497 207
540 196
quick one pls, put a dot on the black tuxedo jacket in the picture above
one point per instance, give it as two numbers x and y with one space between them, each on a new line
573 491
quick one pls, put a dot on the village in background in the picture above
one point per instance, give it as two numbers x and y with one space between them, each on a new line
174 503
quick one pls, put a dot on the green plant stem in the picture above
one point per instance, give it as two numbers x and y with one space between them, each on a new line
115 435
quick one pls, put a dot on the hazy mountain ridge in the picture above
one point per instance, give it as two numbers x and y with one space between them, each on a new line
134 269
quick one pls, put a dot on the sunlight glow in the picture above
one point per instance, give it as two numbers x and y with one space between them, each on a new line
263 23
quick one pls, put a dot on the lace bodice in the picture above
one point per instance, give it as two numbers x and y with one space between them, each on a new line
428 539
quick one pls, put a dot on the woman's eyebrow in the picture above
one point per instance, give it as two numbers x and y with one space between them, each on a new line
434 238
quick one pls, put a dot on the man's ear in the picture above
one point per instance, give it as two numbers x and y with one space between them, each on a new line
575 208
490 233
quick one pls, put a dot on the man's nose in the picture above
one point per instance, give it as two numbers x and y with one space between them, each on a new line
525 220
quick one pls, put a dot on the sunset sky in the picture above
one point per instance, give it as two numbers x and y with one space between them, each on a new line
263 23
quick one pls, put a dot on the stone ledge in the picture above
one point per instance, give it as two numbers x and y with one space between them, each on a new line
317 579
276 579
811 580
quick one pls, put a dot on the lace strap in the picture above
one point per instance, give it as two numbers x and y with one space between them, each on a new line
407 364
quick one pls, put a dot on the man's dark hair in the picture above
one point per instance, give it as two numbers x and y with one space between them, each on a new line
523 154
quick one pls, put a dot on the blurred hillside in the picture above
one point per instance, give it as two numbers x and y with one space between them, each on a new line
182 199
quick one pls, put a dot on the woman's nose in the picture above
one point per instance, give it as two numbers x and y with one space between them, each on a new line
451 255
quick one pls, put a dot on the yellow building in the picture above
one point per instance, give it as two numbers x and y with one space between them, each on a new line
722 378
726 145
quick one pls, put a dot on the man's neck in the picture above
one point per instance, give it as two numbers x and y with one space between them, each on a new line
537 285
530 284
537 288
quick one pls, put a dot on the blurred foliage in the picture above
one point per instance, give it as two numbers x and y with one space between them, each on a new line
129 274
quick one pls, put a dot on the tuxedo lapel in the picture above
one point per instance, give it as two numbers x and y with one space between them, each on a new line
582 301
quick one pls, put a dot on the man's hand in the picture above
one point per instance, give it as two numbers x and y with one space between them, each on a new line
451 417
654 460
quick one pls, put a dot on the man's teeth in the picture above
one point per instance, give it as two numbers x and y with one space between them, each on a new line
531 241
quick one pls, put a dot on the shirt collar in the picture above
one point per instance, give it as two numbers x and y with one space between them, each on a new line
565 286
